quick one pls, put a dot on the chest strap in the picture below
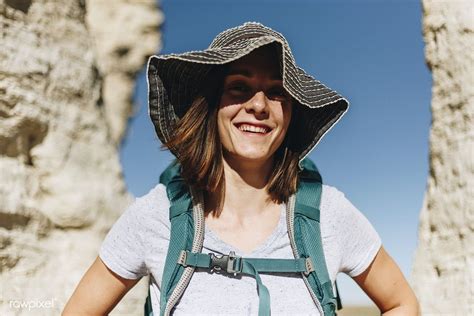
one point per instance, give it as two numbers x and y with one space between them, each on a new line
251 266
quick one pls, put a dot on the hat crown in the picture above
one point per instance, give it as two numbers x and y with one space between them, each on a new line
247 31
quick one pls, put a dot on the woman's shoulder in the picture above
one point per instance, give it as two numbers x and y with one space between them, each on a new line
350 240
331 197
152 206
154 195
335 207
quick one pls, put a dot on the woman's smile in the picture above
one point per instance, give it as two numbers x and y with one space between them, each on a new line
250 129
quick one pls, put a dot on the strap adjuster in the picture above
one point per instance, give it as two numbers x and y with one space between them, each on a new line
309 266
182 258
226 263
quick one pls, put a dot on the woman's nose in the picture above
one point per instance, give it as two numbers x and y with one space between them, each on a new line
258 103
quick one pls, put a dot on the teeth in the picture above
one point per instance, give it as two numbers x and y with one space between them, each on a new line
253 129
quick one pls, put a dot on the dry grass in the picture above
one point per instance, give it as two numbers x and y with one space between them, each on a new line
359 311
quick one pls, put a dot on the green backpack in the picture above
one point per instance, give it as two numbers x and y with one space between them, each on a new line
187 235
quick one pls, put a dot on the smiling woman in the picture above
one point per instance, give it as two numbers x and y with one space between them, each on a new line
254 109
241 205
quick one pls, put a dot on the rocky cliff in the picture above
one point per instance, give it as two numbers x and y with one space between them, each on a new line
67 72
443 272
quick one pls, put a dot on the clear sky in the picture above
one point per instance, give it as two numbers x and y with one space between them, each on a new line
369 51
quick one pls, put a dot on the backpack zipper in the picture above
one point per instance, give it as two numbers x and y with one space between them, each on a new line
290 218
198 217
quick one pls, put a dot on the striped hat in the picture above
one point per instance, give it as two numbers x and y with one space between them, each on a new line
174 81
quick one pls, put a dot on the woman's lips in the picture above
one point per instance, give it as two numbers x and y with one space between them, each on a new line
250 128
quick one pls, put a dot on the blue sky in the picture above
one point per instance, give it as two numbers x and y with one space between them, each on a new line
369 51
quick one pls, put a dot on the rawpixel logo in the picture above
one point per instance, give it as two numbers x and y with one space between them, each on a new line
32 304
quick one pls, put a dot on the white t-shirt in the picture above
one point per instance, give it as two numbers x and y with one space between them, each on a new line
138 242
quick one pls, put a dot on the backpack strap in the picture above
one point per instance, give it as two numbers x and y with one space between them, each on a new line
251 266
307 232
182 230
148 306
338 297
233 264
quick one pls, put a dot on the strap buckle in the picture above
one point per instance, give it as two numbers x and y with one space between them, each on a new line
226 263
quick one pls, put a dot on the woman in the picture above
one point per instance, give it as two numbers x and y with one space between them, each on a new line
240 117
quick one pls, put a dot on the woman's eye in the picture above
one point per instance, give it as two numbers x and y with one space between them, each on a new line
278 94
238 88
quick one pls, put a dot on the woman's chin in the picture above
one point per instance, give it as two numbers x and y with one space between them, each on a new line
250 157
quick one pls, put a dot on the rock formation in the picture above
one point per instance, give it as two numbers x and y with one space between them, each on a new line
67 73
443 272
123 31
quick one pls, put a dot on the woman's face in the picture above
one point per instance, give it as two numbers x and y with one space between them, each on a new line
254 110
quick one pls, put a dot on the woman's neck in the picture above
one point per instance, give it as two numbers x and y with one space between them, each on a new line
246 192
247 174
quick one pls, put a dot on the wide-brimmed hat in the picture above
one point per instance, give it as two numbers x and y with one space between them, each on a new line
174 81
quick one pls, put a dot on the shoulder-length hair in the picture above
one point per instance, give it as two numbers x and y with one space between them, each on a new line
199 149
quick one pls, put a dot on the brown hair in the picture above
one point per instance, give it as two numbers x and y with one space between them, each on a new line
196 140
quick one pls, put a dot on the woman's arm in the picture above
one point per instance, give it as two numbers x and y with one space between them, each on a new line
98 292
385 284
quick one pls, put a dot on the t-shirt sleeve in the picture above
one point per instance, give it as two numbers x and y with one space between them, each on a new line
122 250
358 240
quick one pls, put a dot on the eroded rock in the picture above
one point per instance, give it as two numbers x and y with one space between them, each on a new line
443 272
61 184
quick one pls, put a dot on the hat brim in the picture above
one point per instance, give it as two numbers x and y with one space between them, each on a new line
174 80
